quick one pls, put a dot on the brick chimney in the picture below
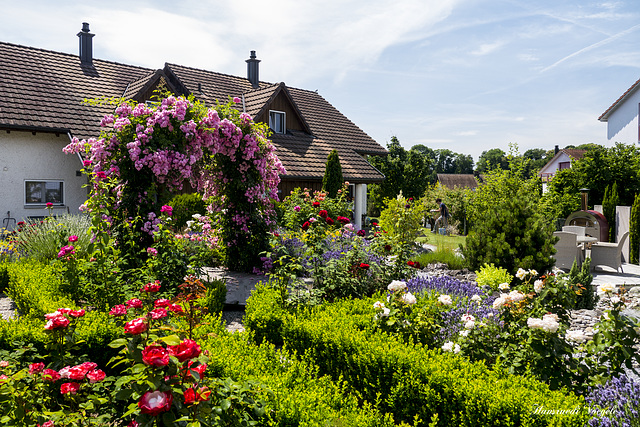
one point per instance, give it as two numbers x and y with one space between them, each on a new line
253 73
86 45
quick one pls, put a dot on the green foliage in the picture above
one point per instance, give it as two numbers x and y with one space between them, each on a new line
411 381
332 180
302 204
456 199
492 159
42 240
609 203
634 229
4 276
216 296
492 276
36 288
509 230
580 279
441 255
556 204
185 206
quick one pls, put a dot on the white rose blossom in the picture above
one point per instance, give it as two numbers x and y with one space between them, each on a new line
445 300
378 305
397 285
499 302
467 318
385 312
521 273
470 324
448 346
538 285
477 298
456 349
408 298
607 288
533 273
504 286
576 336
464 333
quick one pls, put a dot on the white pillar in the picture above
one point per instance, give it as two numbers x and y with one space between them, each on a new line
360 204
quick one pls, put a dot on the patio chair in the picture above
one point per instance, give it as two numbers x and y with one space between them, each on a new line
575 229
567 250
608 254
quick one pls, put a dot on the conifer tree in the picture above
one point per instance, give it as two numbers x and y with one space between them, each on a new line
634 231
609 203
332 180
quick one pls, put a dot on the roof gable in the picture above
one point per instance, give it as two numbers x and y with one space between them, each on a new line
566 154
605 116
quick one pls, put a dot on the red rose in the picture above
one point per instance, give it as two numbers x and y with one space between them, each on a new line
343 220
158 313
36 368
152 287
162 302
133 423
134 303
323 213
410 263
57 323
361 233
77 313
199 369
88 366
364 266
118 310
375 224
74 373
330 221
155 402
187 349
69 388
416 265
155 355
306 225
175 308
136 326
96 375
316 204
387 248
191 395
47 424
50 375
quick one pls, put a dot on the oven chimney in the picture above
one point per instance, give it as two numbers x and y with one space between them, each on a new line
252 70
86 45
584 199
556 150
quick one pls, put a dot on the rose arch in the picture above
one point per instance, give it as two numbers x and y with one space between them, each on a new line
145 153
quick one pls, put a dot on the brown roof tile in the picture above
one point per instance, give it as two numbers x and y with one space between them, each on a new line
45 90
453 180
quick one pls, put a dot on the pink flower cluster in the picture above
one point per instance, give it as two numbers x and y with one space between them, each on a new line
86 370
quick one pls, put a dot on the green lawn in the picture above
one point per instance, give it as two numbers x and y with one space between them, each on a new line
441 242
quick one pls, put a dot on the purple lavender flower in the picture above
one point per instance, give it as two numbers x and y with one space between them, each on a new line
614 403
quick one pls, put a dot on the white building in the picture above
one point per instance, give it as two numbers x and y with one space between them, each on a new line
622 117
561 160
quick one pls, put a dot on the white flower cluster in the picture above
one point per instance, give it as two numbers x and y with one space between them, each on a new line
513 296
469 321
451 347
408 298
538 285
548 323
384 310
607 288
397 285
504 286
445 300
522 273
476 298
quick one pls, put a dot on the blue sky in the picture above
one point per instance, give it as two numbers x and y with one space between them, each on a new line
466 75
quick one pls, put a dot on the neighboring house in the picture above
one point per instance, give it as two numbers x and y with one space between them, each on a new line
41 109
622 117
561 160
456 180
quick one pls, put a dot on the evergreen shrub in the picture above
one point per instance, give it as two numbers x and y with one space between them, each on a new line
332 180
409 380
492 276
185 206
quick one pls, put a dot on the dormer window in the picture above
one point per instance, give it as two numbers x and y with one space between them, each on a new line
277 121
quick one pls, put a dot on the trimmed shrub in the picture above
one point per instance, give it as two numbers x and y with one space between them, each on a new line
411 381
185 206
492 276
634 228
216 296
332 180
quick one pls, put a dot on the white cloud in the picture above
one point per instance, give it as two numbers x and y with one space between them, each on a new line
487 48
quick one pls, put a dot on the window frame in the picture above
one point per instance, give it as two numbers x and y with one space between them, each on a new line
44 200
284 121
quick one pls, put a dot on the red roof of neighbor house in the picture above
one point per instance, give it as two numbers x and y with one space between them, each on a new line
605 116
453 180
44 90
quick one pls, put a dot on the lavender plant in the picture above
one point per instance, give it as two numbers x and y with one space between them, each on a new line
615 403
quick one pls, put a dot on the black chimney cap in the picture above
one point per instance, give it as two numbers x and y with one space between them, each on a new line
85 27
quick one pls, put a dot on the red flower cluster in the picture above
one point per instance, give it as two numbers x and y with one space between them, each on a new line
413 264
187 349
191 395
361 233
364 266
136 326
316 204
36 368
330 221
323 213
57 319
134 303
343 220
306 225
155 355
151 287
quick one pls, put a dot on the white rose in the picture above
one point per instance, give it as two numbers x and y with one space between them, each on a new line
515 296
503 286
467 318
408 298
196 216
476 298
615 299
521 273
396 285
499 302
378 305
538 285
533 273
445 300
448 346
470 324
456 349
549 325
607 288
385 312
551 317
534 323
464 333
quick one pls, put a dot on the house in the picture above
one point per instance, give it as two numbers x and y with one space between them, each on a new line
622 117
561 160
42 108
457 180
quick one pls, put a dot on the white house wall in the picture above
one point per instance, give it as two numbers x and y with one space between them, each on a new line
39 157
622 124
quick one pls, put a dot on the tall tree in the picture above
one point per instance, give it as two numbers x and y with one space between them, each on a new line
492 159
332 180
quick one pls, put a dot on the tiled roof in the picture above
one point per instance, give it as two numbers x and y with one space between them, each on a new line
574 153
453 180
605 116
40 89
44 90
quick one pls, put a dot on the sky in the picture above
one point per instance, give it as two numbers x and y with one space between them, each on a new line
463 75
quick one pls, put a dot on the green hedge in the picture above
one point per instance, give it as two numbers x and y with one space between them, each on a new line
410 380
35 288
299 396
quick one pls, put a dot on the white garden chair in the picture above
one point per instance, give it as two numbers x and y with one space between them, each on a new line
567 250
608 254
